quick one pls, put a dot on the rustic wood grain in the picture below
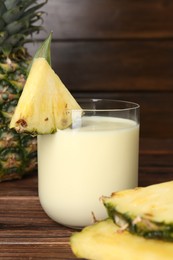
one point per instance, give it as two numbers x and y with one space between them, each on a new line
105 49
155 157
156 163
156 113
24 187
137 71
114 66
110 45
109 19
109 48
26 232
35 251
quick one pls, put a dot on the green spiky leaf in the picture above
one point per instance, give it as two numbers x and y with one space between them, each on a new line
18 18
43 51
2 7
11 3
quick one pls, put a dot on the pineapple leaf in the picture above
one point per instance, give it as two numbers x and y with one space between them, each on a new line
29 31
15 27
43 51
2 7
12 14
14 39
18 17
29 17
1 23
11 3
29 3
3 36
21 11
34 8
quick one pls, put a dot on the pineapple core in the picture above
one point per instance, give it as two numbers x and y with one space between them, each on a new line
45 103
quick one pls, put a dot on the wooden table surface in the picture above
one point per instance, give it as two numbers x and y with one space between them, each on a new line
27 233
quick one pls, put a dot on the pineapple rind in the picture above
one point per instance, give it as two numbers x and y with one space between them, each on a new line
105 241
144 211
14 61
16 158
142 227
18 154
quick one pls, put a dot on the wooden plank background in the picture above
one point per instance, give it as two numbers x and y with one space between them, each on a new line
118 49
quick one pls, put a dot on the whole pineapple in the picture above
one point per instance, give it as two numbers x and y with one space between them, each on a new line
18 152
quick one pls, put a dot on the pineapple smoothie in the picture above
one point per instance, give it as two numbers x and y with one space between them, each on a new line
86 148
96 156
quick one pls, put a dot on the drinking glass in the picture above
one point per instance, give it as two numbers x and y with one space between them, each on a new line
95 156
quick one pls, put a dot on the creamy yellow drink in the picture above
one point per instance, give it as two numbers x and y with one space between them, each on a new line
78 165
85 149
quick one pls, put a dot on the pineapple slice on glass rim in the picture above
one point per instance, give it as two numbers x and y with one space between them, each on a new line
45 103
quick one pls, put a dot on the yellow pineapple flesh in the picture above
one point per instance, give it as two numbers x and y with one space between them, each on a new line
146 211
45 103
106 241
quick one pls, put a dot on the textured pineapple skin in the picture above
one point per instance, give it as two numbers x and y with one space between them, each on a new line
105 241
144 211
18 152
19 19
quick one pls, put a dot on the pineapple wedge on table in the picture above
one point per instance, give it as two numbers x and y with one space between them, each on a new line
141 220
18 155
144 211
105 241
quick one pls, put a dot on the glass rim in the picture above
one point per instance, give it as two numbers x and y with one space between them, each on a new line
132 105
